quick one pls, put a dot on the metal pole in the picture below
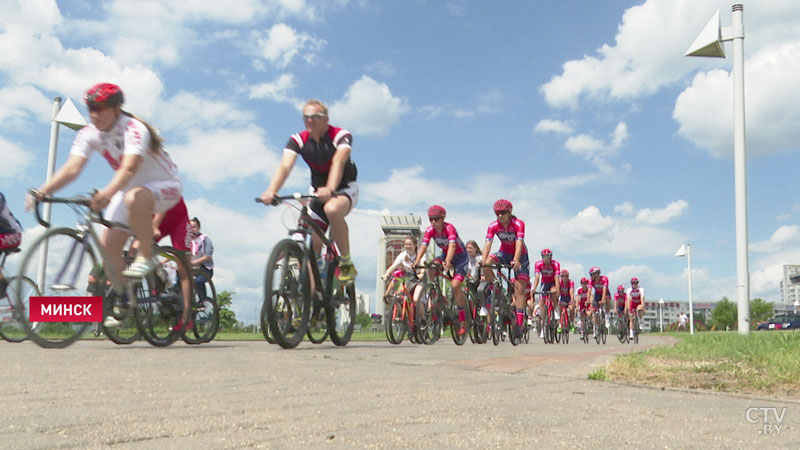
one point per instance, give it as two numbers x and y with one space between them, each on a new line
661 314
740 172
691 308
51 168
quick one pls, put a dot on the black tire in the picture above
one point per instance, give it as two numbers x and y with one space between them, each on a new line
128 332
287 298
420 323
341 309
459 339
497 325
478 321
431 325
71 251
621 335
205 314
396 320
318 324
20 289
160 299
265 327
604 334
636 329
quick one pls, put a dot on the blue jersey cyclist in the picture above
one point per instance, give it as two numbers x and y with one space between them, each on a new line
454 256
511 232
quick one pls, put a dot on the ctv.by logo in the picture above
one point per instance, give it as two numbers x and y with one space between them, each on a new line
762 415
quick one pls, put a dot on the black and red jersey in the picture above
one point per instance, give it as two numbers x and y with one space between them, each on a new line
319 155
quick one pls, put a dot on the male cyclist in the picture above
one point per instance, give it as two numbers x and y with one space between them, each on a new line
547 270
635 301
621 300
446 237
511 233
602 297
326 149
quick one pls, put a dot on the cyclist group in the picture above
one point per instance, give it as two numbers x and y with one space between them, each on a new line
592 299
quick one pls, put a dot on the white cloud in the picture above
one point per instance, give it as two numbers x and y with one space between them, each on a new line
186 110
279 90
13 159
211 157
283 43
598 152
23 103
553 126
785 236
661 216
626 208
368 107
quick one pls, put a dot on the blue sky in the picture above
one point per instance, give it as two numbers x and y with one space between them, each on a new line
614 148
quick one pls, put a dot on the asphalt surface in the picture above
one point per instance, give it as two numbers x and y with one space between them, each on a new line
95 394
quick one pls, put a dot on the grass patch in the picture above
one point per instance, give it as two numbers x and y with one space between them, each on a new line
599 374
761 362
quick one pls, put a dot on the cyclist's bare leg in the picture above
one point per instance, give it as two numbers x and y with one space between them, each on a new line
336 209
113 241
458 293
141 203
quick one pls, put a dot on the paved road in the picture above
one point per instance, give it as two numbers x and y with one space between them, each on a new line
368 394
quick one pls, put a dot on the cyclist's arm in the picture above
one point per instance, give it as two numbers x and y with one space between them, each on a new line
536 281
65 174
451 251
395 265
518 251
420 253
281 173
157 219
487 247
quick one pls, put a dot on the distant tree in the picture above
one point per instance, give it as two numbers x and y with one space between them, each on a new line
363 319
227 318
760 311
724 314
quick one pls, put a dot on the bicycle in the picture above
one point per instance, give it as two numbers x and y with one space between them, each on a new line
72 254
437 308
547 320
586 327
563 323
205 312
288 290
622 328
601 331
478 329
10 293
399 317
502 316
636 329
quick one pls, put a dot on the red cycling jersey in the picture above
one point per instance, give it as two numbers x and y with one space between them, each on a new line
548 273
508 236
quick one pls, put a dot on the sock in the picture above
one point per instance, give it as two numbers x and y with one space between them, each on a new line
461 314
520 317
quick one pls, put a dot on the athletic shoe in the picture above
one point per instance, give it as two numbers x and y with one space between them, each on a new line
181 326
347 271
111 322
140 268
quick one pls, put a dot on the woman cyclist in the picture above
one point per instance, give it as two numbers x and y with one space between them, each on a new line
583 295
566 296
145 180
511 232
402 267
455 256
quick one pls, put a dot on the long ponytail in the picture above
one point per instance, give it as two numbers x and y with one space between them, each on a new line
156 141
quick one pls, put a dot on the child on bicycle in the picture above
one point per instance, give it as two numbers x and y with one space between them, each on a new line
455 256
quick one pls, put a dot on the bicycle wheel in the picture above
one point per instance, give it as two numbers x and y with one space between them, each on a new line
497 325
341 308
459 339
160 295
318 324
128 331
396 321
287 298
19 289
621 335
265 327
636 329
205 315
565 328
70 258
479 321
432 320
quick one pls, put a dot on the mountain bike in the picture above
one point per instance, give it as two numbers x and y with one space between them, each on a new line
205 312
437 308
399 317
502 314
293 285
72 253
13 290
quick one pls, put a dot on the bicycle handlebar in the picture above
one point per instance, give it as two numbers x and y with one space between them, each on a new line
296 196
77 200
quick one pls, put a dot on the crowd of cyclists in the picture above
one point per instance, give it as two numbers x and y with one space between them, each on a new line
592 299
145 194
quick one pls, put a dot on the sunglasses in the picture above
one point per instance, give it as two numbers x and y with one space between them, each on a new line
500 213
435 218
95 107
314 116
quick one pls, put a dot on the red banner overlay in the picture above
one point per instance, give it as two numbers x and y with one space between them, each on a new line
66 309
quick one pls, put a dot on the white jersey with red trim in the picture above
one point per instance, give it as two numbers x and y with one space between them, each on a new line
636 295
127 136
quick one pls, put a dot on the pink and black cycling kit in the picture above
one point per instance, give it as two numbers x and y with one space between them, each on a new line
443 240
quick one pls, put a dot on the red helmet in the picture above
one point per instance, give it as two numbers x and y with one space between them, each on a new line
502 205
620 288
565 273
436 210
546 252
594 270
106 94
634 280
584 280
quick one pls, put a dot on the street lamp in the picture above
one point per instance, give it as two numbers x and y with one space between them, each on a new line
709 43
661 313
686 250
